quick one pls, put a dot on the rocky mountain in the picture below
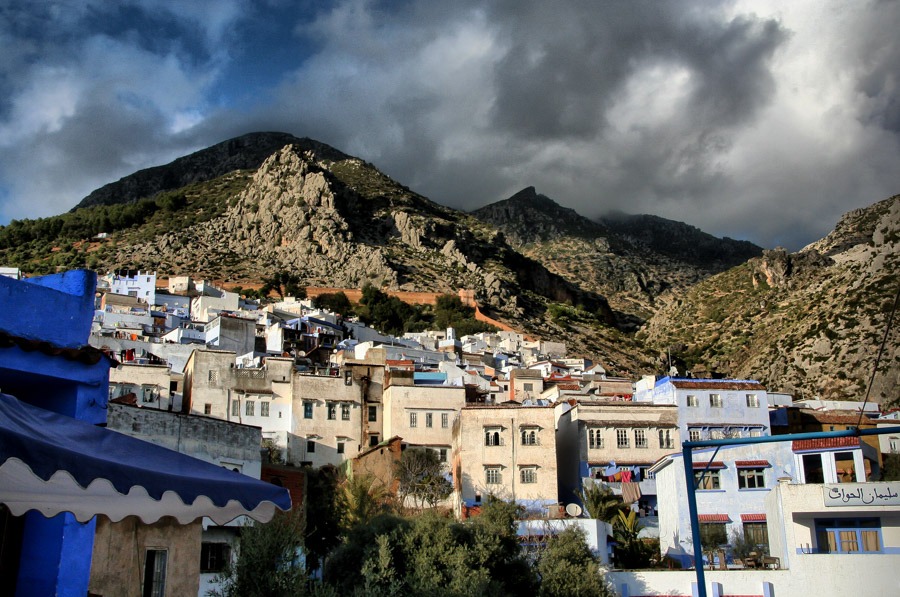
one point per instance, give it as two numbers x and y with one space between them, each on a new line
631 259
627 291
246 152
811 323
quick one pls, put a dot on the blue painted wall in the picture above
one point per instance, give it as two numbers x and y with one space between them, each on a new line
56 310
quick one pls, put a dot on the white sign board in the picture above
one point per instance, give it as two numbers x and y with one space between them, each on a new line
862 494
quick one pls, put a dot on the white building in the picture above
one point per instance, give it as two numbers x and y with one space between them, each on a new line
712 408
138 284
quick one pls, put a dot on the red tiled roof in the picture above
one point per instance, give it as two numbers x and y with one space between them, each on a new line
713 518
751 463
753 517
824 443
714 464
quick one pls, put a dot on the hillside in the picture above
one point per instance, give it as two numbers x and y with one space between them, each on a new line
626 291
632 260
809 322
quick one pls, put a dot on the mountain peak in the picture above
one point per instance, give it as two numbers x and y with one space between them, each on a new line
246 152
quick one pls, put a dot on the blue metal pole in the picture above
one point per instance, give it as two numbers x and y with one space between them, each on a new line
695 519
687 456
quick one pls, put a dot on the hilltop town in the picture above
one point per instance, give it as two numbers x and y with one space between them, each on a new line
281 389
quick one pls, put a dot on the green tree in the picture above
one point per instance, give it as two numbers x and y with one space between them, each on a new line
890 470
336 302
360 499
268 560
323 514
601 503
567 567
284 284
630 551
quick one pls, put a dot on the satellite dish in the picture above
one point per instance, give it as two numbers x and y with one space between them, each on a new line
573 510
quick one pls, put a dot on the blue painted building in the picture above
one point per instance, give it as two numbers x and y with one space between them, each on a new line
45 361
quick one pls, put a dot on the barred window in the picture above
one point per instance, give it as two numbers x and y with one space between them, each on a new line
413 419
529 437
595 438
445 420
236 408
249 408
429 420
528 475
665 439
264 409
492 476
332 411
622 438
345 412
640 438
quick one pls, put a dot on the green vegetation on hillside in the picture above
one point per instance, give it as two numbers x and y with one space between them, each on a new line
390 315
69 240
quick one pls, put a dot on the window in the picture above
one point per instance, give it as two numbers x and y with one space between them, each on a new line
665 439
413 419
249 408
207 409
751 478
716 434
529 387
236 408
692 401
373 414
492 437
640 438
757 533
710 480
332 411
812 468
429 420
529 437
445 420
713 533
213 375
214 556
310 446
345 412
264 409
715 400
752 401
373 440
756 433
595 439
848 535
155 573
621 438
492 476
340 447
307 410
442 454
528 475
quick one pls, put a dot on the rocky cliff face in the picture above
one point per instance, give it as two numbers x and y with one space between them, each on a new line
344 224
632 260
810 322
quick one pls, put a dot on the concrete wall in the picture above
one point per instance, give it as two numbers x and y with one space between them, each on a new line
829 575
218 442
122 546
473 457
400 402
320 391
125 378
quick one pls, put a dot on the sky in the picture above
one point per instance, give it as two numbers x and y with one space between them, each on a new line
754 119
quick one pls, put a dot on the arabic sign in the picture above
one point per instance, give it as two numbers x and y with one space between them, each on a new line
862 494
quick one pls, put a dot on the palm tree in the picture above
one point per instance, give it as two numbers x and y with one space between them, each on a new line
601 503
361 499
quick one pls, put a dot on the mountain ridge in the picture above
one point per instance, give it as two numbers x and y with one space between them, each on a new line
623 290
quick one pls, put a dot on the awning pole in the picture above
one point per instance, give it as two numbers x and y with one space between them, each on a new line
687 457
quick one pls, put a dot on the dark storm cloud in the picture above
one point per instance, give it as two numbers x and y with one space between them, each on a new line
754 119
